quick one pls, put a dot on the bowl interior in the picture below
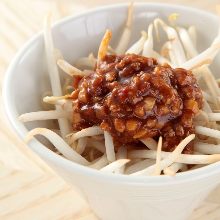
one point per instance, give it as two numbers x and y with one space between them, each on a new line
27 77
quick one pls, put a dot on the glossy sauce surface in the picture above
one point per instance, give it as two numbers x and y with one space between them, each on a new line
133 97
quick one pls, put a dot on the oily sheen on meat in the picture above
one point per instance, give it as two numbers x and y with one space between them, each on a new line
133 97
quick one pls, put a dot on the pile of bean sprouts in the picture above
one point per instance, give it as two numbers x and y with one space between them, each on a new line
93 147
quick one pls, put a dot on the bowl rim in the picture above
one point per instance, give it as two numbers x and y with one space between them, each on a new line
35 145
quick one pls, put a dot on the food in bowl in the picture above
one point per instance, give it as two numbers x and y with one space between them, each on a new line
134 110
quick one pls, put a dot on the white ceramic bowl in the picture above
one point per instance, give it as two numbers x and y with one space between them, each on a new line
111 196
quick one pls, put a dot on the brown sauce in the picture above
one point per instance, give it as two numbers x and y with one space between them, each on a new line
133 97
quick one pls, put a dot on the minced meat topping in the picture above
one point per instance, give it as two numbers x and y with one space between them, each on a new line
133 97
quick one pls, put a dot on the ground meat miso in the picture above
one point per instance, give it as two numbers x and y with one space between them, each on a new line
133 97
